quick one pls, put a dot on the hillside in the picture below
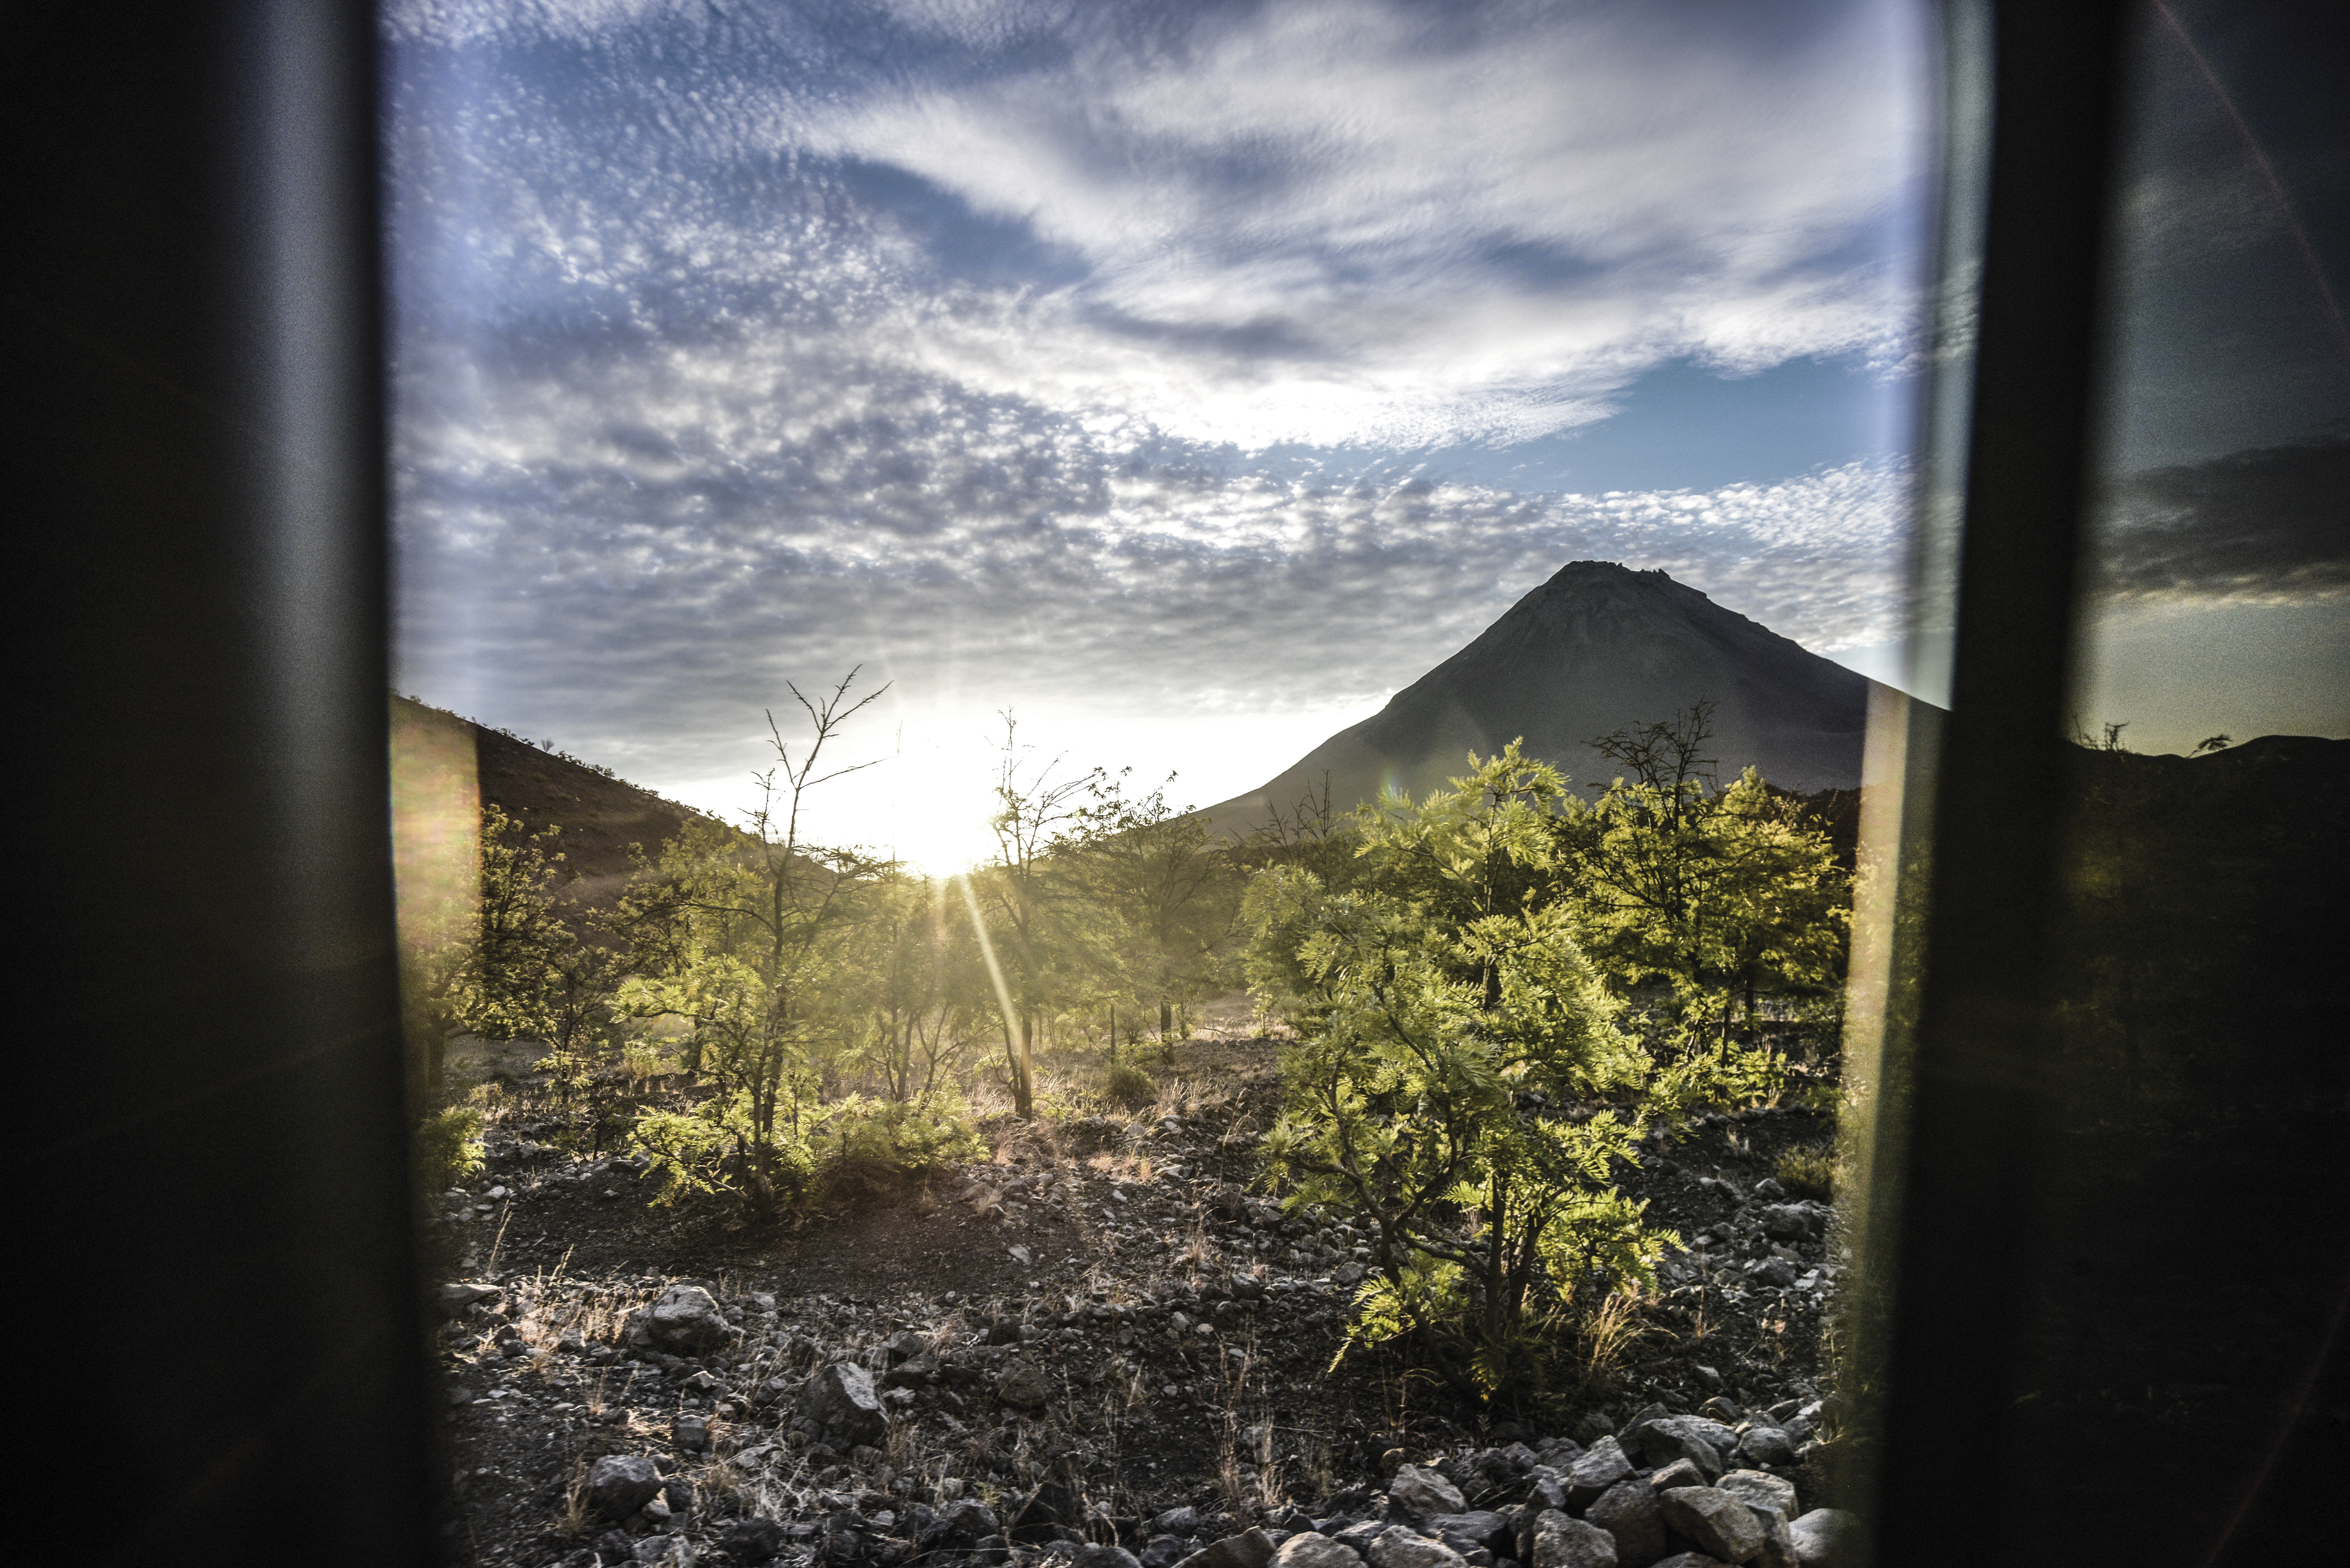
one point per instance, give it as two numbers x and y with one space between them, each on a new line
1596 648
445 768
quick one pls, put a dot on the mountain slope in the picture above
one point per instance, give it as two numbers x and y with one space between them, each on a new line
1596 648
444 769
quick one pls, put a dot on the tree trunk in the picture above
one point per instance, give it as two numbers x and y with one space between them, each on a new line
1113 1033
1024 1099
1166 1018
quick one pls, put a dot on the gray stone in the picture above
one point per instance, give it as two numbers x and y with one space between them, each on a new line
1421 1492
1248 1549
1692 1437
619 1484
1024 1384
966 1520
905 1344
691 1432
1358 1537
1100 1556
1717 1522
1766 1446
1762 1493
1479 1527
686 1322
1312 1551
1564 1542
1680 1472
1786 1221
1776 1272
911 1373
1629 1511
752 1539
457 1297
839 1399
1546 1488
1396 1547
1182 1520
1600 1467
1826 1537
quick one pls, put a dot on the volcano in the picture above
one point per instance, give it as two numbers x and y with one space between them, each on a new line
1598 647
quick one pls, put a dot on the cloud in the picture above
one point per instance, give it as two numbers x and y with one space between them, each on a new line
1387 224
2268 525
744 344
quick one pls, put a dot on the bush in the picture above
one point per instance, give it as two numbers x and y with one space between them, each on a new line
868 1144
1129 1088
1807 1171
449 1147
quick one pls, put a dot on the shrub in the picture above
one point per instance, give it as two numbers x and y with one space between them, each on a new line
869 1143
1807 1171
1129 1088
449 1147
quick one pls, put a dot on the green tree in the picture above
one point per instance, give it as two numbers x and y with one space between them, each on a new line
1169 895
1447 1024
1714 892
745 936
924 988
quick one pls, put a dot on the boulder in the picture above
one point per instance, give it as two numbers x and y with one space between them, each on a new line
1763 1493
1766 1446
1602 1466
1180 1521
1786 1221
1680 1472
1718 1524
1547 1489
1826 1537
1421 1492
1396 1547
686 1320
754 1540
1563 1543
1629 1511
1248 1549
619 1484
1100 1556
1692 1437
1465 1532
1691 1559
1571 1543
839 1399
1024 1383
1312 1551
691 1432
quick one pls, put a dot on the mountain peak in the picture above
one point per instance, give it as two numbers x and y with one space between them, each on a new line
1599 647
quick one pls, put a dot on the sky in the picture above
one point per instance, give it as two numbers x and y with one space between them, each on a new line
1182 379
2220 570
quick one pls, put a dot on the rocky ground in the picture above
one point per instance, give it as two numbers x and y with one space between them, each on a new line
1109 1335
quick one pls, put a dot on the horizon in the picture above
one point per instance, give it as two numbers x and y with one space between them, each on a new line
1188 380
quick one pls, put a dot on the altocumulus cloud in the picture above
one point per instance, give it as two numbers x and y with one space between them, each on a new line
743 341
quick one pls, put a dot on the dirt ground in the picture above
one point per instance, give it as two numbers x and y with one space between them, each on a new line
1185 1328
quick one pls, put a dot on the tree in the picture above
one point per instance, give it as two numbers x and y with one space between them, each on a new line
1710 891
924 988
1023 899
1151 874
744 936
1447 1022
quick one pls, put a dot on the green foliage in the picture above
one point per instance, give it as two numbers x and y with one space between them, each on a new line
449 1147
869 1143
747 936
1807 1171
1128 1086
1447 1020
1715 893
